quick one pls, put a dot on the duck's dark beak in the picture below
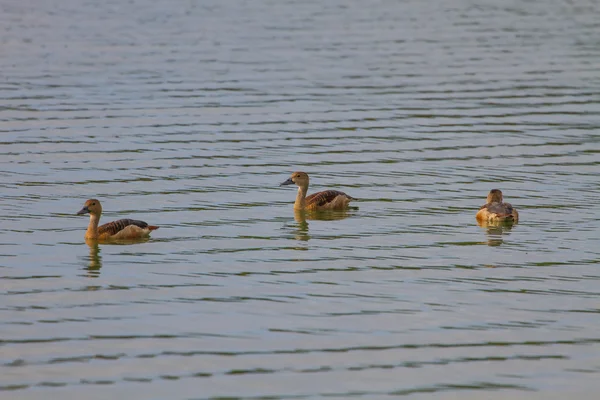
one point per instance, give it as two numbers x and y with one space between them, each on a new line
288 182
84 210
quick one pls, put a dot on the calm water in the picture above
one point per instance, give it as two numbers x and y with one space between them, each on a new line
189 114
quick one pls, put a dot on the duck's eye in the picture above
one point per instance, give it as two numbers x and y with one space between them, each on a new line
93 204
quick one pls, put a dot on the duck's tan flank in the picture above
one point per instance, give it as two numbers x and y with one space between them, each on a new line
496 210
120 229
325 200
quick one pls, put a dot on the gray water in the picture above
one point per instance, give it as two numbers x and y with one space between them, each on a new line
188 115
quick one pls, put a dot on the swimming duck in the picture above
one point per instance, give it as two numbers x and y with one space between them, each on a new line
325 200
495 210
120 229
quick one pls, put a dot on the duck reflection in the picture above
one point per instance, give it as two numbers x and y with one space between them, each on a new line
302 217
495 230
94 259
301 232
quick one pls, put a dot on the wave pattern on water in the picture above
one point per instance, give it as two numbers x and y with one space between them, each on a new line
189 115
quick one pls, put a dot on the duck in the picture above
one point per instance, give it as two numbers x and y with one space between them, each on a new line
325 200
120 229
495 210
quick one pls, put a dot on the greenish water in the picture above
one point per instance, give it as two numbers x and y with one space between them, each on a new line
188 116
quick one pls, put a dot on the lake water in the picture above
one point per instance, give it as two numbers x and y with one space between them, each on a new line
189 114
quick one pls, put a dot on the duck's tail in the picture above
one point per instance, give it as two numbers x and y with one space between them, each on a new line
153 227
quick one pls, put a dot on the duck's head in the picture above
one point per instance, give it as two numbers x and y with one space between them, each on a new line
494 196
91 206
298 178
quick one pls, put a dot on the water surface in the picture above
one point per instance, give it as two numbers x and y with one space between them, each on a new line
188 115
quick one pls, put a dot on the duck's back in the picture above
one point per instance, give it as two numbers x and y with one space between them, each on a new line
125 228
497 211
327 199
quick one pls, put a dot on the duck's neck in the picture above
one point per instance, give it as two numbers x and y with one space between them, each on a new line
92 230
301 198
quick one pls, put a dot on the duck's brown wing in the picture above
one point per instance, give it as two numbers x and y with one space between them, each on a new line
500 209
112 228
326 196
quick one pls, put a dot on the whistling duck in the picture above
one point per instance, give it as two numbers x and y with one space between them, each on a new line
120 229
495 210
325 200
